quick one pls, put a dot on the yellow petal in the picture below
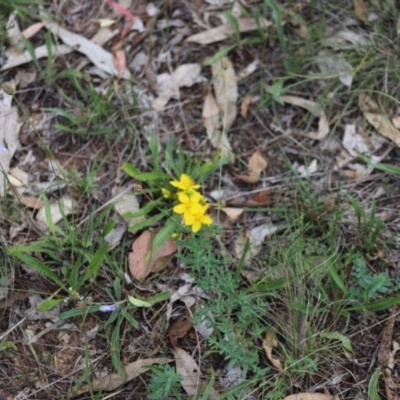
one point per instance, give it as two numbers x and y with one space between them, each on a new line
196 227
195 197
186 181
195 209
175 184
189 219
183 198
201 210
180 208
206 220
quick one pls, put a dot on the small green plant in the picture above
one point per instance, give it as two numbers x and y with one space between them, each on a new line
77 257
182 192
164 382
369 226
49 74
368 285
90 112
237 37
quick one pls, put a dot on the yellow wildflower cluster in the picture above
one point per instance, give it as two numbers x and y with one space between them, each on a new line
192 205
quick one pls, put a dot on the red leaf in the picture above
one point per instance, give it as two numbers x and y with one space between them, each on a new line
123 11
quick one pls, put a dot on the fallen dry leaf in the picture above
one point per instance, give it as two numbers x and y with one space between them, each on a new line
333 64
361 10
40 52
22 176
307 170
101 58
300 28
106 22
179 328
119 58
223 31
386 339
114 381
323 125
240 244
396 122
244 107
187 367
212 120
25 78
232 213
124 11
114 237
125 204
9 134
32 202
255 236
347 35
355 142
30 31
168 84
311 396
225 90
160 258
63 207
378 120
257 164
268 344
260 199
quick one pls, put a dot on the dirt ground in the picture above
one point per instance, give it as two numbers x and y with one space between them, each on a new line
292 109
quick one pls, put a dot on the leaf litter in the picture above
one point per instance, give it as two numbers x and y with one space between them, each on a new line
354 141
144 260
187 367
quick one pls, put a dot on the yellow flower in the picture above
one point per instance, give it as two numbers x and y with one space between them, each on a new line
189 204
185 183
166 193
196 220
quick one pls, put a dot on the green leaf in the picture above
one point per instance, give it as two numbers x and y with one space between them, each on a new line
48 215
154 148
337 279
8 345
377 305
235 25
391 169
130 319
234 391
32 53
96 262
343 339
138 303
115 348
117 288
145 209
209 388
39 266
76 312
163 296
254 40
142 176
373 385
307 309
219 54
49 304
165 233
147 222
108 227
